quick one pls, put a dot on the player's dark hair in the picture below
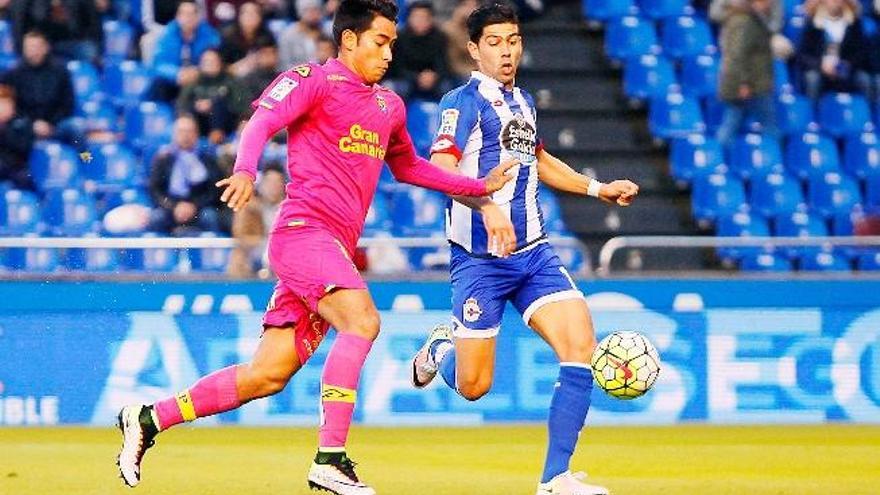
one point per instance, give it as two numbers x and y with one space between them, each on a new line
488 14
357 15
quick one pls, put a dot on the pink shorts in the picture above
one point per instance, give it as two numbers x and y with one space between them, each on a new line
309 263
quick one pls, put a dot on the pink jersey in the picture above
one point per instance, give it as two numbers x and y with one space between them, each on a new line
340 131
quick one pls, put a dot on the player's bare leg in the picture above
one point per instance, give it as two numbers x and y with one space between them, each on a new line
567 327
274 362
354 316
467 366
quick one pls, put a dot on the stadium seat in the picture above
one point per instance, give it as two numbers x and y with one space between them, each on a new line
833 193
713 112
800 224
19 213
741 224
98 115
148 123
843 114
32 260
92 260
686 36
869 25
811 155
160 260
675 115
699 75
843 224
695 156
53 165
209 259
869 261
658 9
861 155
127 81
7 62
551 213
69 212
117 39
776 194
765 262
781 77
717 196
754 155
794 29
823 262
794 113
629 37
7 43
648 76
603 10
132 195
872 193
418 212
378 221
113 167
422 121
84 77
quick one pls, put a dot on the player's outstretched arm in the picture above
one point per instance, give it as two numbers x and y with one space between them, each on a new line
558 175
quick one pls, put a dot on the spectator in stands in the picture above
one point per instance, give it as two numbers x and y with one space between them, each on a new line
73 27
834 52
5 9
874 57
298 43
746 78
251 225
16 140
242 39
43 89
182 184
178 51
720 10
460 62
325 49
253 84
222 13
420 68
212 99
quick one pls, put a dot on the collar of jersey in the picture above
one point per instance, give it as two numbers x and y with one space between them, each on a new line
336 65
483 77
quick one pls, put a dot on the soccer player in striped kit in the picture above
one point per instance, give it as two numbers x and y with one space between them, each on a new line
341 127
500 251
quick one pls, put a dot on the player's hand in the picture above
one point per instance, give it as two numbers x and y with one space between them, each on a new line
239 189
621 192
498 176
499 230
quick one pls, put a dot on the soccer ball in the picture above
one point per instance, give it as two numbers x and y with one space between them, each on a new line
625 364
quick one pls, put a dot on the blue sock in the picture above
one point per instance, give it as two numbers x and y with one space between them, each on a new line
447 369
568 412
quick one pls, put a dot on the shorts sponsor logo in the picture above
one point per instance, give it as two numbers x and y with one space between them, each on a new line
362 142
471 310
282 88
448 122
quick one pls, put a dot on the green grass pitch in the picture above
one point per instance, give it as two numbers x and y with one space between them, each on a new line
502 460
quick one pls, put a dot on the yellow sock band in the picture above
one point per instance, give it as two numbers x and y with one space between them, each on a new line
185 404
331 393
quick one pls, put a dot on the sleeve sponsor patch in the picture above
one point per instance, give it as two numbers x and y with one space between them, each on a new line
303 70
282 88
448 122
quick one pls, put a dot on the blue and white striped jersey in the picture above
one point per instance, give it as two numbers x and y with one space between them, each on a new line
484 124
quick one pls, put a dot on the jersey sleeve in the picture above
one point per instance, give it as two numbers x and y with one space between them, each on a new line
459 115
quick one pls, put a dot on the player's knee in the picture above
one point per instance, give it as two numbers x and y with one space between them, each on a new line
268 382
579 349
474 389
366 326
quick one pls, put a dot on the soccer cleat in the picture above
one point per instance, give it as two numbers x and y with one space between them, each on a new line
138 431
424 368
569 483
334 473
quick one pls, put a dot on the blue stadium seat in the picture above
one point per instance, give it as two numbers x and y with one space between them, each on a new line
843 224
800 224
695 156
422 121
843 114
824 262
811 155
713 113
741 224
869 261
551 213
378 221
699 75
117 39
658 9
781 77
85 79
754 155
648 76
572 258
794 113
765 262
861 155
675 115
209 259
19 213
98 115
794 29
53 165
132 195
686 36
869 25
70 212
872 192
776 194
603 10
7 43
418 212
717 196
113 167
92 260
629 37
833 193
32 260
128 82
7 62
149 122
158 260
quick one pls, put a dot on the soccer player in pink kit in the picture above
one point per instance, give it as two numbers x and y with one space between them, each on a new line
341 127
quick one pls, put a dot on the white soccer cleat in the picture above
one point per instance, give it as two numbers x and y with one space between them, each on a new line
569 483
338 477
138 432
424 368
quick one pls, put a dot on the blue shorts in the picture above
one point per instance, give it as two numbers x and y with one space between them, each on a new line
482 286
